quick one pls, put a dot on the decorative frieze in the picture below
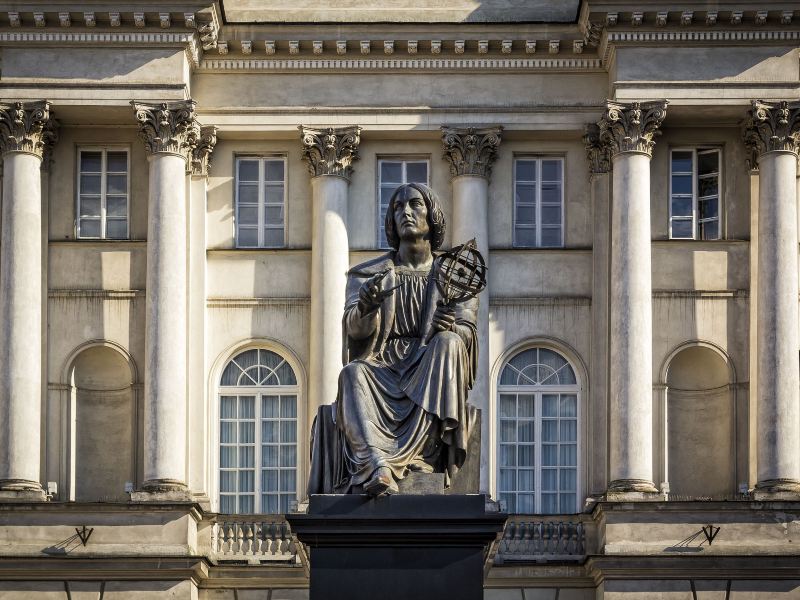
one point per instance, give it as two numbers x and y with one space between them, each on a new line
330 150
26 127
598 153
201 155
169 127
772 127
470 151
632 127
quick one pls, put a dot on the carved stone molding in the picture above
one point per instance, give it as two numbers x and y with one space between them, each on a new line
470 151
597 152
27 127
632 127
168 127
201 155
330 150
772 127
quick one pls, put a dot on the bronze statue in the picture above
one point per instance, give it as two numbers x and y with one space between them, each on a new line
410 358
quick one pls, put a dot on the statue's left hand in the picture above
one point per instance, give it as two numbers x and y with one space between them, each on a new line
443 318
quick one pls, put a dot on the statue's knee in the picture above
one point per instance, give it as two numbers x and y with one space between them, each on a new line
448 339
351 371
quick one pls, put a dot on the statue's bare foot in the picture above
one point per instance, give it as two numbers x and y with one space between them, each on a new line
381 483
420 466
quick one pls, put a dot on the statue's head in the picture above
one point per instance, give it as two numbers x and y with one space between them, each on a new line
435 216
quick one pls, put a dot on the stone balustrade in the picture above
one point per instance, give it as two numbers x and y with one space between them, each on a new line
252 539
552 539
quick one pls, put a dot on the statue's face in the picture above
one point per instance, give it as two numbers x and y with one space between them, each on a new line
411 215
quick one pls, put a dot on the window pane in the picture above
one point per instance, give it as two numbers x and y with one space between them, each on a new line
682 184
551 192
526 192
246 504
508 431
117 229
551 237
247 432
526 215
568 503
227 433
288 455
248 215
681 207
525 237
269 480
117 162
707 162
273 215
287 480
568 479
391 172
246 456
90 184
569 430
273 238
682 229
549 480
248 193
91 162
569 455
508 405
273 194
248 237
227 456
525 456
709 230
681 162
550 430
551 215
549 455
227 481
526 170
549 405
269 504
117 206
288 407
246 481
116 184
248 170
269 456
525 431
269 432
510 501
227 504
708 209
569 405
89 228
525 480
288 431
551 170
269 407
273 170
508 480
708 186
228 407
247 407
90 206
508 455
526 405
524 503
417 172
549 504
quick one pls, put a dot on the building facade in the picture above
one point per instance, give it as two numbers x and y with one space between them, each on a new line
185 185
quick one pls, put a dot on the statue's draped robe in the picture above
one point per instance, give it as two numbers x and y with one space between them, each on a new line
402 396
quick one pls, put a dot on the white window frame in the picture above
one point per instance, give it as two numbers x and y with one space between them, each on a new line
538 200
403 160
104 150
262 159
696 151
538 391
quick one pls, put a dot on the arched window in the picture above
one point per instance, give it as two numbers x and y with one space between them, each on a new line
538 433
257 434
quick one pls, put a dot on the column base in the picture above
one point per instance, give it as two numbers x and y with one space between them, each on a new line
632 490
777 489
21 490
162 490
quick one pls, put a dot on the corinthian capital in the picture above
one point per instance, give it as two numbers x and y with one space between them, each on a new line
632 127
771 127
471 151
27 127
330 151
597 152
201 155
168 127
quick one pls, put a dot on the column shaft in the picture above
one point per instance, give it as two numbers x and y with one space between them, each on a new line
631 333
330 261
778 397
471 220
20 323
165 355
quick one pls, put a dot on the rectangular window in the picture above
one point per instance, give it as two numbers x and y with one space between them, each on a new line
260 202
103 193
694 208
538 202
392 173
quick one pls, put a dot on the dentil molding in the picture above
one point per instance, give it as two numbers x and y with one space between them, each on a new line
27 127
331 150
168 127
632 127
471 151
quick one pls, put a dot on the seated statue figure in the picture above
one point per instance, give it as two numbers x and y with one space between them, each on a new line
409 359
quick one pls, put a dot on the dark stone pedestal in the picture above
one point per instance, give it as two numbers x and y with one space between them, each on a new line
397 547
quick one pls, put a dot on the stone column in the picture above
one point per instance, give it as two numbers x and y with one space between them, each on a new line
629 130
772 133
170 133
471 154
25 131
199 423
330 154
599 158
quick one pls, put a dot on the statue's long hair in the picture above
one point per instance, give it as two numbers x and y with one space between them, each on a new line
436 220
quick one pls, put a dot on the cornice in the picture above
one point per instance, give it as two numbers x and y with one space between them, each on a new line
400 64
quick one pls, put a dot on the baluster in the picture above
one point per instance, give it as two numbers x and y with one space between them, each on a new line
229 538
537 537
561 539
262 538
239 538
581 533
215 547
525 543
284 529
547 529
248 538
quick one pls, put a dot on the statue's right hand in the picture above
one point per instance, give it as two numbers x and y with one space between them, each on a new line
371 294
